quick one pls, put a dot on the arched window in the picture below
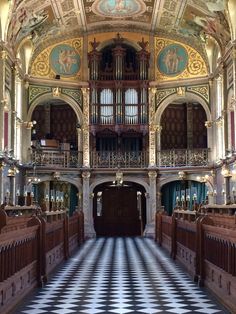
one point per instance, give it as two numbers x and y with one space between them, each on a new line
106 109
131 106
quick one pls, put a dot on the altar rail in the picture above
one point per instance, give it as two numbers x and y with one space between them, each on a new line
59 158
183 157
28 255
207 251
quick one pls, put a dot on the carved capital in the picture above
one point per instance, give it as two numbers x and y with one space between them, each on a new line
152 174
208 124
86 174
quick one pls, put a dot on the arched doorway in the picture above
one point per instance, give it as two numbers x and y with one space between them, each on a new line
119 210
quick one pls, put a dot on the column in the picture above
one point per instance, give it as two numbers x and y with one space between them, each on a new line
80 146
152 196
3 57
152 133
86 159
26 140
87 207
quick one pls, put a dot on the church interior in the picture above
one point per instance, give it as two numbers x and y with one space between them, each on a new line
117 144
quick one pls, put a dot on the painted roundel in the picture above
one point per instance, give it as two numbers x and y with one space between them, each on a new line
118 8
172 60
65 60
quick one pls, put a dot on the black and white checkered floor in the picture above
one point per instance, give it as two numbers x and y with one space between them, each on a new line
120 275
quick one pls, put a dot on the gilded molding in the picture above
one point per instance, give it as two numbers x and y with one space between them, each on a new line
75 94
201 90
162 94
36 91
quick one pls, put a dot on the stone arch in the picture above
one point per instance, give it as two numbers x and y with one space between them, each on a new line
126 178
126 41
48 96
189 97
73 181
191 177
129 178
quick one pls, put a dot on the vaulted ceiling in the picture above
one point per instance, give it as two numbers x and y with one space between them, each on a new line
49 19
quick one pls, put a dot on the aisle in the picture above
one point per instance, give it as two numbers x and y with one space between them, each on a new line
120 275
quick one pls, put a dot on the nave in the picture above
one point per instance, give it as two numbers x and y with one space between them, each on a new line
120 275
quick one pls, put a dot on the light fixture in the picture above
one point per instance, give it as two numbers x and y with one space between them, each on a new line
34 179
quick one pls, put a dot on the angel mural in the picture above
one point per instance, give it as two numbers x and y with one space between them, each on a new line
65 60
24 22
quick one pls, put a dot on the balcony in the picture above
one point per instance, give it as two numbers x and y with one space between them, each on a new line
56 158
183 158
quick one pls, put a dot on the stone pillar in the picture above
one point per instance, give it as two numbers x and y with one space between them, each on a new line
87 207
26 140
86 157
3 57
80 146
152 133
152 195
158 129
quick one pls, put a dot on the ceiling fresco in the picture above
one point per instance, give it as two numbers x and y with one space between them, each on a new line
44 20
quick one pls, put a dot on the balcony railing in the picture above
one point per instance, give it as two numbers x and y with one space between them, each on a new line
108 159
130 159
183 158
57 158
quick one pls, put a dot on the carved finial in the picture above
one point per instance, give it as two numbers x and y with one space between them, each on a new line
94 44
143 44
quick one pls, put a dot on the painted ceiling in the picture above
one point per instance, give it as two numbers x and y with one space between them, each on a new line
48 19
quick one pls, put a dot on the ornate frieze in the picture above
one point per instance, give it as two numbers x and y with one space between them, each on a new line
36 91
75 94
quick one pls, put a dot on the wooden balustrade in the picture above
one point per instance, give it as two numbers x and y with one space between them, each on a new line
28 254
205 249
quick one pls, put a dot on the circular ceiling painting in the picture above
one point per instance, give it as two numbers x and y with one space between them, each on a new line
172 60
118 8
65 60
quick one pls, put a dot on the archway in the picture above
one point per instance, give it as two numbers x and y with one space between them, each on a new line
56 120
119 210
182 193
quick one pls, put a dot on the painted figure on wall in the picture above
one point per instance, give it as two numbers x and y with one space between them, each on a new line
65 60
172 60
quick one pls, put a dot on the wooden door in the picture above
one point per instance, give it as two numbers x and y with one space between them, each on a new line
119 213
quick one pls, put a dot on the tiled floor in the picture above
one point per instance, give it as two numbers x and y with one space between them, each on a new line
120 275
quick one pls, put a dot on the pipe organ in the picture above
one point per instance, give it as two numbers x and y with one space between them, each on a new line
119 86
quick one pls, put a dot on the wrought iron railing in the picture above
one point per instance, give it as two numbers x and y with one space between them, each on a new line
58 158
183 158
109 159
